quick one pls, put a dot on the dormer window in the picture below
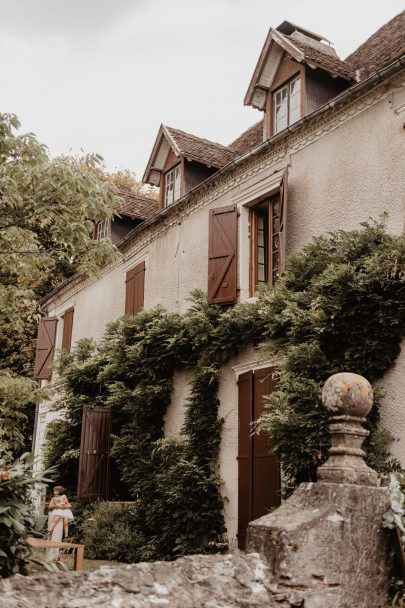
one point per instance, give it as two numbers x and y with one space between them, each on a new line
172 185
287 104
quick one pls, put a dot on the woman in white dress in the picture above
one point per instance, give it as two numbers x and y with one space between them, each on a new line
59 508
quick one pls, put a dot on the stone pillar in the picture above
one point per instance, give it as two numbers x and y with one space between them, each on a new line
325 545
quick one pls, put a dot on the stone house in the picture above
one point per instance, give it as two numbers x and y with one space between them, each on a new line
327 153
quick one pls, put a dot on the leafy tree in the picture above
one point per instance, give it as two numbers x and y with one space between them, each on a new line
47 211
126 180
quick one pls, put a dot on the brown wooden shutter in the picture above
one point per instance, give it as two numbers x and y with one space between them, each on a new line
259 480
94 462
245 387
67 329
266 482
222 278
283 219
45 348
135 289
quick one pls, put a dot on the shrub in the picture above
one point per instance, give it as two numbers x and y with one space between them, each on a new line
108 532
16 519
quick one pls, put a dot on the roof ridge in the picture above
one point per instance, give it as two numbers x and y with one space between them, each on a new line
209 141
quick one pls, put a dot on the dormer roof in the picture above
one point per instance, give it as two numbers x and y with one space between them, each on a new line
301 45
187 146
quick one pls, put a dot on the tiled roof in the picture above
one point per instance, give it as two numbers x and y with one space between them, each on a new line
136 207
249 139
325 61
381 49
201 150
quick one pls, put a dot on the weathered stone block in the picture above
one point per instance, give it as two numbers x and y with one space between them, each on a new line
326 542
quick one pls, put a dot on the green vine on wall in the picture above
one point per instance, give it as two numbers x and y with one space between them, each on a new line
339 307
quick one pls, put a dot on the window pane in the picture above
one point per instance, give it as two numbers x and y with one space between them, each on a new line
176 183
280 110
261 273
260 255
295 100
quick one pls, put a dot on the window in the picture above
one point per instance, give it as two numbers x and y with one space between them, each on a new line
172 185
265 242
287 105
102 230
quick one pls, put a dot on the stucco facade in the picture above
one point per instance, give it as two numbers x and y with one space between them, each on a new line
344 167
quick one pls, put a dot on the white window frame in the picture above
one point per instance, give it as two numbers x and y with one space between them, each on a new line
293 109
102 230
172 185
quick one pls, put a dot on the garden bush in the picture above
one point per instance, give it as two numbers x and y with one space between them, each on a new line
108 532
16 520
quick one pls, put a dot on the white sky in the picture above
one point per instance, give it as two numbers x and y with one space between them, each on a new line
101 75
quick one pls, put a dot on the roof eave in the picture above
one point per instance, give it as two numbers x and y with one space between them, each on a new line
287 46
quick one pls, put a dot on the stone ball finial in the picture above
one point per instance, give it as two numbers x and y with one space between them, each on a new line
347 394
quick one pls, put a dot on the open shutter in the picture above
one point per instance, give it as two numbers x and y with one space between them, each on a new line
266 482
67 329
94 462
45 348
135 289
222 279
245 386
283 219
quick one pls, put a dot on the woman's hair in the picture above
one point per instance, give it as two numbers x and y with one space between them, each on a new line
60 489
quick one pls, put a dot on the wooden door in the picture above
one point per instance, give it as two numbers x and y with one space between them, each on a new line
94 462
258 467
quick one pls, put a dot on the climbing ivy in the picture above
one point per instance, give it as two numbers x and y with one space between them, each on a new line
339 307
174 482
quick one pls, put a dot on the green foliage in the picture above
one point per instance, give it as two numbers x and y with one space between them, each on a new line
109 533
14 393
15 516
48 209
174 482
339 307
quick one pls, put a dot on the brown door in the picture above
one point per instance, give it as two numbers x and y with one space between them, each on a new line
94 462
258 466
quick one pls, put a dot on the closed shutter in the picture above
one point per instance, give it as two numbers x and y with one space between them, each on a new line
67 329
94 462
283 219
266 466
245 387
222 279
45 348
135 288
259 480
